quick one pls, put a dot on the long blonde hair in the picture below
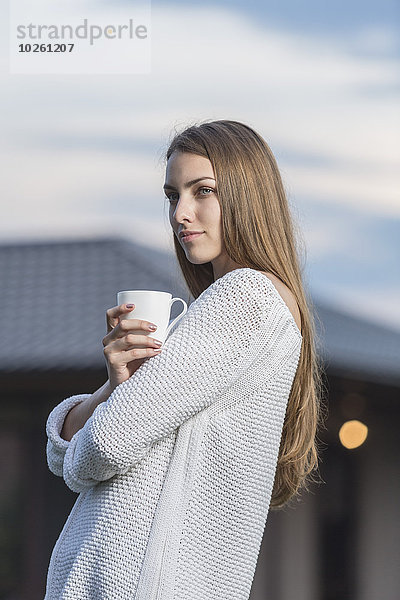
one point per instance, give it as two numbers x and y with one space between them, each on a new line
258 232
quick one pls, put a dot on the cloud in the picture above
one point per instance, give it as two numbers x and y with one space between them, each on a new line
74 141
379 305
81 154
374 39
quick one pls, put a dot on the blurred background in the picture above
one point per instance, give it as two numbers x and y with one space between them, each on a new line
84 216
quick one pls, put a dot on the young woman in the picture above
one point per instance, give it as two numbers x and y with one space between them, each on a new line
178 457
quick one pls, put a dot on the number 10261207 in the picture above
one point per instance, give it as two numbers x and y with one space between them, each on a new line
45 47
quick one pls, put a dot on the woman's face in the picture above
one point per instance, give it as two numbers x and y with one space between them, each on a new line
193 206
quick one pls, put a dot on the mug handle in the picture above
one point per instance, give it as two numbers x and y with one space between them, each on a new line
178 317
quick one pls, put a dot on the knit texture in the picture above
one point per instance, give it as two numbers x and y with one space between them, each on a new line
175 470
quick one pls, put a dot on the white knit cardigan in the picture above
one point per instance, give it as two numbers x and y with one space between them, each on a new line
175 470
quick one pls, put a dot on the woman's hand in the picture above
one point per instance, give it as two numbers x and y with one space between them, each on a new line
125 351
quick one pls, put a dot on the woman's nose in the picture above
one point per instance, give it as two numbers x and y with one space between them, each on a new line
183 209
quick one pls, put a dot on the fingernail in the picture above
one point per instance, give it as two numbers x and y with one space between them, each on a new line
129 305
152 327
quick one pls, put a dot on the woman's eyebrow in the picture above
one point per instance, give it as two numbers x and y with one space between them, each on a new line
187 184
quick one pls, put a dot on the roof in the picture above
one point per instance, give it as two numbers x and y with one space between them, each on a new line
55 294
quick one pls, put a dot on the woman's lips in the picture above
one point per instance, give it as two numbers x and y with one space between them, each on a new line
190 237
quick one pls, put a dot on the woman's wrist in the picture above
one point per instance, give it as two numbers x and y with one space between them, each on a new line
99 396
80 413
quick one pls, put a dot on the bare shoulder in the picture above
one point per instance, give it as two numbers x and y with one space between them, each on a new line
287 296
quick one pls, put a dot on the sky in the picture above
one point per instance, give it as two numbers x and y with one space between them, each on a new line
82 155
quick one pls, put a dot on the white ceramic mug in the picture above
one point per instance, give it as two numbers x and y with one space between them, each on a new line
152 306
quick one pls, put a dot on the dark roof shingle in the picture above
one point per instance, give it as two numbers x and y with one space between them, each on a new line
55 294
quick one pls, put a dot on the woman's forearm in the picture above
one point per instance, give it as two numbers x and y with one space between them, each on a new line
80 413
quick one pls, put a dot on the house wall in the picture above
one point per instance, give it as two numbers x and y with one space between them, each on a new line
288 562
378 550
342 535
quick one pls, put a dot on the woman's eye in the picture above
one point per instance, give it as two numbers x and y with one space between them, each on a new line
204 188
171 198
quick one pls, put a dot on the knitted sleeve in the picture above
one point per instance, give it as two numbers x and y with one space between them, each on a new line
56 445
212 345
